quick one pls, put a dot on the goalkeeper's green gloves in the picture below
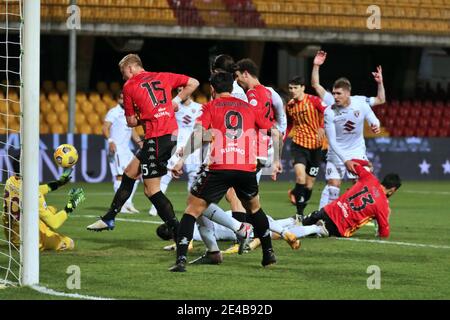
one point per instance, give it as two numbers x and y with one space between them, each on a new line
76 197
63 179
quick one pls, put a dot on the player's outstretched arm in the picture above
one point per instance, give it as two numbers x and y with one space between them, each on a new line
277 138
175 163
381 94
63 179
315 82
187 91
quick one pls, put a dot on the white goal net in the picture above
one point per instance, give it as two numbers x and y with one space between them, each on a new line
11 27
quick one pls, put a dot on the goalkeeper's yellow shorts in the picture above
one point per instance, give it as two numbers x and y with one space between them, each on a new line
50 240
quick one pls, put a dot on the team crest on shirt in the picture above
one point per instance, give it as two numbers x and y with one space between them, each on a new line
356 113
253 102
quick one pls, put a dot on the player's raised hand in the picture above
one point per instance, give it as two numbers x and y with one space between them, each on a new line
321 134
378 75
112 148
320 57
276 169
375 129
65 177
350 165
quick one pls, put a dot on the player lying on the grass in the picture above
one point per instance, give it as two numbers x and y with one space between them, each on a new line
148 100
367 199
344 126
217 232
230 124
49 218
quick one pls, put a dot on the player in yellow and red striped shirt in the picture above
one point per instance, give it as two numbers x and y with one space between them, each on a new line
305 115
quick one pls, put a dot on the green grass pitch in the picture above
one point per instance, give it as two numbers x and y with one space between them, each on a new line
129 263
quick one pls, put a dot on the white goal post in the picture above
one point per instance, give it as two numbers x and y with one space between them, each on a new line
30 143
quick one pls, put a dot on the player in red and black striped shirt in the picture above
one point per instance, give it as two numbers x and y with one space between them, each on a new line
305 114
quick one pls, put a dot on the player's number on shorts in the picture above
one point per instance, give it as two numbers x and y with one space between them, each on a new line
144 169
152 88
364 199
234 124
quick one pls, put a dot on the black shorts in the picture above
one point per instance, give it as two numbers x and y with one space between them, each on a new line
155 154
212 185
322 215
310 158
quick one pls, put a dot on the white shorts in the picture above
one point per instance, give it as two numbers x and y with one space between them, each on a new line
120 161
338 171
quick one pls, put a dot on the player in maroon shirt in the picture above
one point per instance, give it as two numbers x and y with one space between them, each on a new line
367 199
232 124
148 101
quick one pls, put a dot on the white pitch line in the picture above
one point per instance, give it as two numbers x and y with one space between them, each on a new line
409 244
121 219
52 292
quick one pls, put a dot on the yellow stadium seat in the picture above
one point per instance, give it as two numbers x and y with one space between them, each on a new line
57 128
100 107
61 86
64 118
94 97
84 128
51 118
86 107
81 97
14 127
47 85
140 131
53 96
44 129
14 108
65 98
3 107
93 119
80 118
59 106
97 129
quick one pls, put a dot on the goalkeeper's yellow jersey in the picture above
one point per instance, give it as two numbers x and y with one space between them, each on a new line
11 215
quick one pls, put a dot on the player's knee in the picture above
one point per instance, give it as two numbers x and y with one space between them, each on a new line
334 183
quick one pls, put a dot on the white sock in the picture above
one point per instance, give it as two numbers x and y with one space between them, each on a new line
206 230
116 185
324 197
329 194
130 199
303 231
165 181
334 193
286 223
274 226
216 214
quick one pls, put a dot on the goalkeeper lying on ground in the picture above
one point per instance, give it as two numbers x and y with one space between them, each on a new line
49 218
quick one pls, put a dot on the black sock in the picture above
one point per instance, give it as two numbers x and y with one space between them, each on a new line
308 193
165 211
300 194
185 234
261 228
121 196
239 216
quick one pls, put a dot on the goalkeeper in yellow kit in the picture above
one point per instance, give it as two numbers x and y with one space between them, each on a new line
49 218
